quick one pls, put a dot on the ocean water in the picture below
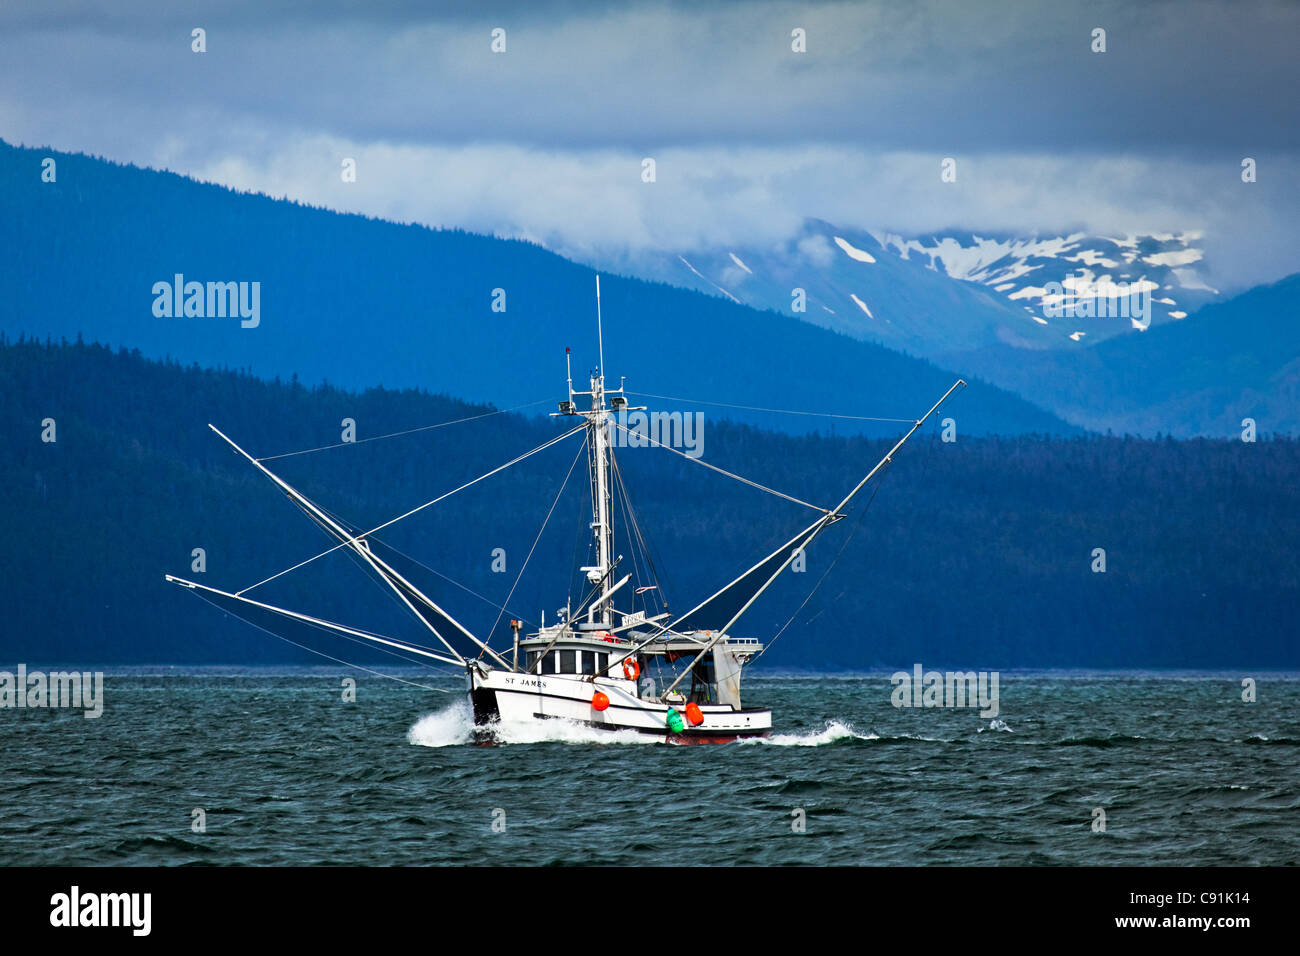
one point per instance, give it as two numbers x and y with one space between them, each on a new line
286 772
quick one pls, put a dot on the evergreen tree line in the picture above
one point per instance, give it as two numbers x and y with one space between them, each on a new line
978 552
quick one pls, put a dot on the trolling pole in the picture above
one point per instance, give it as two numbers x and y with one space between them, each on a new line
315 621
391 577
732 583
813 532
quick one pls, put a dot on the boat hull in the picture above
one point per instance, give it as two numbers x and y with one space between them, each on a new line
520 698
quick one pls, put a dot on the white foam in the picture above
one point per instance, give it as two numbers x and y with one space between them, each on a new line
454 727
446 728
558 730
835 730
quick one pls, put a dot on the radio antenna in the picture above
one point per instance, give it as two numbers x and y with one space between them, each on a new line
600 329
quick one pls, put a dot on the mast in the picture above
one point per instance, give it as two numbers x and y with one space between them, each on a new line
601 528
598 458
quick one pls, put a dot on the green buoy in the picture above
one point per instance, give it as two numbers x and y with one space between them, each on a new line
675 723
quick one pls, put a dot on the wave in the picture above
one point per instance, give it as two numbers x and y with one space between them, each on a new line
454 727
1111 740
835 732
446 728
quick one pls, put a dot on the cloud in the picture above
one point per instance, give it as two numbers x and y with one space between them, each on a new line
592 205
930 74
545 141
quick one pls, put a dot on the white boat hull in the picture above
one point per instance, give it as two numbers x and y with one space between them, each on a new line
513 697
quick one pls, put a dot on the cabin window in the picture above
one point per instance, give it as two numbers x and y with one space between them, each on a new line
552 663
704 683
568 662
589 662
532 659
602 662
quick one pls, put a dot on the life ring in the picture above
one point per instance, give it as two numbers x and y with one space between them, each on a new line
631 668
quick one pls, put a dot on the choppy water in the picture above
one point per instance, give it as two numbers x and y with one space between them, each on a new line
287 773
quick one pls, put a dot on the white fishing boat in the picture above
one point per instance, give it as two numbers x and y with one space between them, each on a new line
597 665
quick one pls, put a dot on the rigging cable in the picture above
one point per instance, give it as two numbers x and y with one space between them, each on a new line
353 538
660 599
723 471
779 411
524 566
409 431
857 524
373 576
337 660
468 590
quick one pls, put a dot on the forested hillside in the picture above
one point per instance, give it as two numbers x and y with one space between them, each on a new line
978 552
362 302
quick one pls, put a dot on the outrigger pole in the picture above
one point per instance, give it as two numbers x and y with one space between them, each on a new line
319 622
815 530
403 588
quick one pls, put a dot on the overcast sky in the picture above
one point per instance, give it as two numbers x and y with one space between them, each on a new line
546 140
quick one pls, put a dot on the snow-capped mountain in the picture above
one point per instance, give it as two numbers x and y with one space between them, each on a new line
935 295
1075 277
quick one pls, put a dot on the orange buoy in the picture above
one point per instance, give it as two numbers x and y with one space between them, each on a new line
599 700
631 668
693 714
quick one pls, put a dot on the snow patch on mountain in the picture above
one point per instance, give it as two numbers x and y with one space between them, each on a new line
861 305
736 260
709 281
1177 257
1048 272
853 251
1093 257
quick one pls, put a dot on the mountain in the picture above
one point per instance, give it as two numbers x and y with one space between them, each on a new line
1232 360
936 295
1107 286
1188 362
973 554
110 252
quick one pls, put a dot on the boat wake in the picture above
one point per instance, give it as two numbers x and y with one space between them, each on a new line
455 727
835 732
445 728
